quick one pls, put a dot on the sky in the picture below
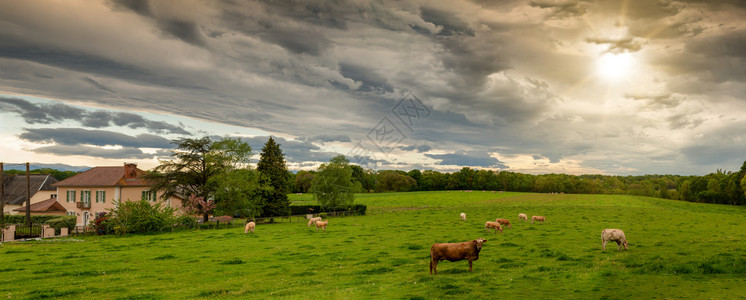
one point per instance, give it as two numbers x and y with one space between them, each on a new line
577 87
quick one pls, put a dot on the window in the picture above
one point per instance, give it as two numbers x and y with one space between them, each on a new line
149 196
71 196
71 213
101 196
85 196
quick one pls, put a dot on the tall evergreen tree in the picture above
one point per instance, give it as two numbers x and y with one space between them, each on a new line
275 180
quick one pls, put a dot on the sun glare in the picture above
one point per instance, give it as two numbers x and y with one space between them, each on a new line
614 66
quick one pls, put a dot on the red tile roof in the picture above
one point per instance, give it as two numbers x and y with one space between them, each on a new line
44 206
104 176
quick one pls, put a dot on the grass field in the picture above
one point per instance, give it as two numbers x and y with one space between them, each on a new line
677 250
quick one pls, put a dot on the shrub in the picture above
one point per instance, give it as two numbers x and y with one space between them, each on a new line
322 215
103 224
63 222
141 217
186 221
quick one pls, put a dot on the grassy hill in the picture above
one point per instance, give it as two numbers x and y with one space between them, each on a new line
677 249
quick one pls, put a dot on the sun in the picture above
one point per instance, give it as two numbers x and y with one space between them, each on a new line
615 67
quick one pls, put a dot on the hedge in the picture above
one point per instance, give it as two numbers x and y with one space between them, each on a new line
62 222
21 219
303 209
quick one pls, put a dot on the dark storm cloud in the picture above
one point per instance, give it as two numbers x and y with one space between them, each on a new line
471 159
58 112
12 47
184 30
371 82
450 25
79 136
40 114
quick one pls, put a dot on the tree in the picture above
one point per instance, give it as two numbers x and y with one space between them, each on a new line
275 180
303 181
195 164
333 185
238 193
396 181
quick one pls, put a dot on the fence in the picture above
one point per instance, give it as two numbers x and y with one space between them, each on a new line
23 232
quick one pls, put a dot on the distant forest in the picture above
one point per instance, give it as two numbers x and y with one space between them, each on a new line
719 187
59 175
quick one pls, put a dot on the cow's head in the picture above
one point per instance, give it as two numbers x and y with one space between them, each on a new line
479 242
626 244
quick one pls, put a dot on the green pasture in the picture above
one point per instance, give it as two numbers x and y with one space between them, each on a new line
677 250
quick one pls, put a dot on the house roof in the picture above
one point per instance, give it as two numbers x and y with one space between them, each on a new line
14 191
44 206
104 176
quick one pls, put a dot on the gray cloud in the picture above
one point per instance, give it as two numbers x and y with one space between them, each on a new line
328 138
620 45
294 151
58 112
78 136
506 77
419 148
471 159
562 9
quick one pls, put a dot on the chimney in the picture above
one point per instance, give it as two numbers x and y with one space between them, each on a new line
130 171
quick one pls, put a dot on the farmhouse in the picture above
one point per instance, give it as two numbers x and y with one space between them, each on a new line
96 190
15 189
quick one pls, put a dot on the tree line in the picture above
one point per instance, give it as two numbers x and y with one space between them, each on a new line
721 187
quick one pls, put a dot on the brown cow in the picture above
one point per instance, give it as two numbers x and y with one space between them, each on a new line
504 222
321 224
540 219
495 225
455 252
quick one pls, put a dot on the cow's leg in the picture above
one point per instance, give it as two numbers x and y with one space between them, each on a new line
469 265
604 245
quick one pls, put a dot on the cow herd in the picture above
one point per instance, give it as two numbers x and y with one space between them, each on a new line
470 250
318 221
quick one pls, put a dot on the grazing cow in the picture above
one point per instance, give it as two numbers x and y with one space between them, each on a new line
455 252
249 227
463 217
488 225
504 222
522 217
615 235
321 224
312 221
539 219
